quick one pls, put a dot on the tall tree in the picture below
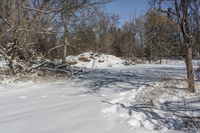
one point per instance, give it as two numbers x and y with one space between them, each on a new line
71 9
180 9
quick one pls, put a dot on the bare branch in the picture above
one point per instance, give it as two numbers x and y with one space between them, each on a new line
5 21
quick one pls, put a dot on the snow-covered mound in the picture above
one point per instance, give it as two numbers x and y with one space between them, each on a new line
94 60
155 108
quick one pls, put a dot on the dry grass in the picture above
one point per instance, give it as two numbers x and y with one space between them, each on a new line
71 62
84 59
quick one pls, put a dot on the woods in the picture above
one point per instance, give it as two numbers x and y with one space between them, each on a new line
54 29
131 65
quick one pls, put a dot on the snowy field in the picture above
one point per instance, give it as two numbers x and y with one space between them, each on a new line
123 99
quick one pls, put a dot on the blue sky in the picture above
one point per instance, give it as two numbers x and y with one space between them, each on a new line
127 8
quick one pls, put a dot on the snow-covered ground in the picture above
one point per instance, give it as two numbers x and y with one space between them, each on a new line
53 108
124 99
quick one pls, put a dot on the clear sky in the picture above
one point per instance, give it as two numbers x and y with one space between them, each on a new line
128 8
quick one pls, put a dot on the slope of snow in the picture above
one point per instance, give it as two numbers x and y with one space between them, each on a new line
157 104
96 60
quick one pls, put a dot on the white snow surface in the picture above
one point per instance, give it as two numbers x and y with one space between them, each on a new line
141 99
2 64
61 107
96 60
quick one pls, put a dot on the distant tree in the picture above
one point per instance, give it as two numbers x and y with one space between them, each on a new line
161 35
70 9
86 39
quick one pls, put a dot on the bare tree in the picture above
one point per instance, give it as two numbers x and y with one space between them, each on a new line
69 10
181 11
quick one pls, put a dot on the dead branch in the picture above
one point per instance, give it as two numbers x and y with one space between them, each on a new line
5 21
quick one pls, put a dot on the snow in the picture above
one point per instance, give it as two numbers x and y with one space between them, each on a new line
2 65
152 105
49 108
96 60
119 99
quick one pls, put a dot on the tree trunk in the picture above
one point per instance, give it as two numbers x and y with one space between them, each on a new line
11 68
190 74
187 39
13 24
161 59
25 35
64 50
65 42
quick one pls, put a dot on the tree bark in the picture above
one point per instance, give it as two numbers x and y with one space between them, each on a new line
187 40
190 74
65 41
64 50
13 24
12 70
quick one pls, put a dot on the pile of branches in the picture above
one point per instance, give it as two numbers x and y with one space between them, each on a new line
49 67
188 121
42 68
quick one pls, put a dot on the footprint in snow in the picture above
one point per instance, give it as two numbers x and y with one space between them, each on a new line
44 96
23 97
63 95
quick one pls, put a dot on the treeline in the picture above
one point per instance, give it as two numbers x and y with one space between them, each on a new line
152 36
56 28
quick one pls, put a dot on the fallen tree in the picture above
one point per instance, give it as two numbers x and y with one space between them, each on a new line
53 67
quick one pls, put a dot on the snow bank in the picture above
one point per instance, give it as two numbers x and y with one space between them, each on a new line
156 108
122 107
94 60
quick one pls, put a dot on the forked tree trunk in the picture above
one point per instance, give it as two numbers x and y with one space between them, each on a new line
184 26
190 74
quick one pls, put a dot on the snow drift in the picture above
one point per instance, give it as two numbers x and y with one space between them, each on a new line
95 60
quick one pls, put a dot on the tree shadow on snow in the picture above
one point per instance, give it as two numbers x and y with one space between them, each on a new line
123 80
171 114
